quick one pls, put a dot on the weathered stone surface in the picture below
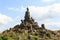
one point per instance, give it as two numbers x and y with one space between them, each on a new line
29 22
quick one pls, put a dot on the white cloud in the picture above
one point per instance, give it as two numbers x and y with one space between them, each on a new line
5 19
46 12
53 25
47 0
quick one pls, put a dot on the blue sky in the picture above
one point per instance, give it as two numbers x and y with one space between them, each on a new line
43 11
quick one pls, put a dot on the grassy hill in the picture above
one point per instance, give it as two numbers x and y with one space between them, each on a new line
23 34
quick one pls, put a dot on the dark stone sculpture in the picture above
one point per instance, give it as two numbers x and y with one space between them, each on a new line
27 15
29 23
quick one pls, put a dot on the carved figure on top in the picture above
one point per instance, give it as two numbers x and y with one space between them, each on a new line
27 15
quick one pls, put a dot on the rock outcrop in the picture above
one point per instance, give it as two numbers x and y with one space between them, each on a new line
30 30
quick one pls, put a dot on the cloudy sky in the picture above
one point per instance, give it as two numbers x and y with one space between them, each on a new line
43 11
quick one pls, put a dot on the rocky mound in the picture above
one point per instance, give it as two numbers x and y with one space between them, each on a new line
29 30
